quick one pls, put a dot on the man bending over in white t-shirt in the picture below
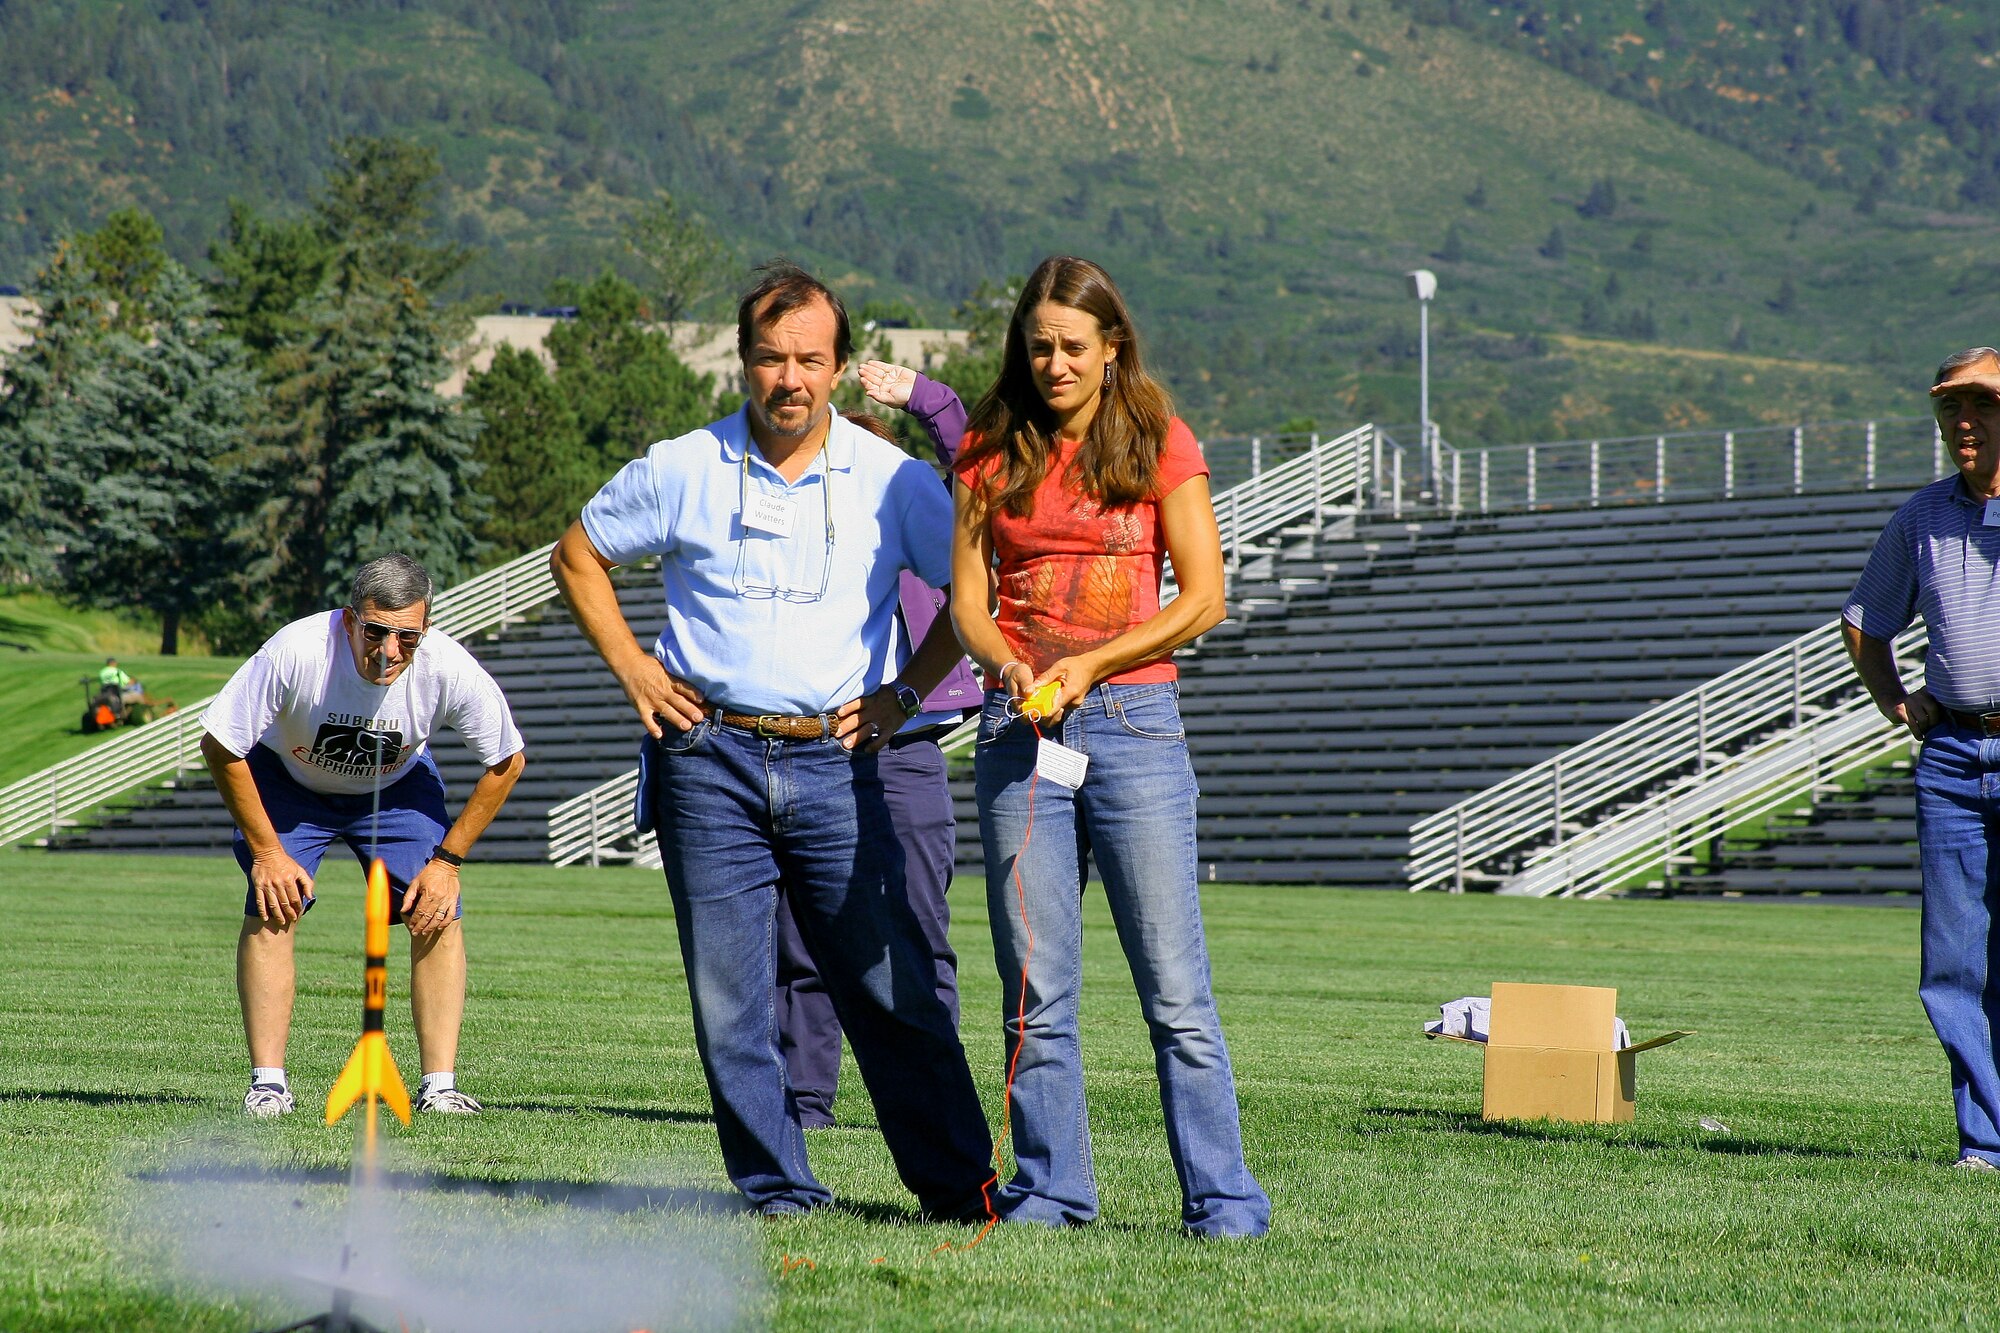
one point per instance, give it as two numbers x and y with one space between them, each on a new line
298 741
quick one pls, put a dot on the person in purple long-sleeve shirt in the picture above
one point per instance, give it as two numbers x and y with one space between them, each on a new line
913 781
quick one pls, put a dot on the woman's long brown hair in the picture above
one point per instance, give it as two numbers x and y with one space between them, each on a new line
1118 462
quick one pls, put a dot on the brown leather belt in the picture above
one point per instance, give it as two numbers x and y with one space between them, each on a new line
813 727
1987 724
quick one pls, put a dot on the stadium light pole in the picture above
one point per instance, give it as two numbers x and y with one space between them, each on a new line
1423 286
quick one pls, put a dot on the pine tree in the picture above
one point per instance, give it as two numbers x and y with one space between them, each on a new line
1602 201
623 380
126 256
376 213
531 450
372 223
683 259
363 456
39 414
268 271
151 476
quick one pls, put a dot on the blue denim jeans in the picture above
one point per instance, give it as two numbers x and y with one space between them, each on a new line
1134 814
919 804
1958 820
737 815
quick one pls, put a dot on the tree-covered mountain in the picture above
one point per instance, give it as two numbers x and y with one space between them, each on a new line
1614 255
1889 98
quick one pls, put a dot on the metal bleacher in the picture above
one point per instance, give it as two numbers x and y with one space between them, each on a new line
1377 667
1391 668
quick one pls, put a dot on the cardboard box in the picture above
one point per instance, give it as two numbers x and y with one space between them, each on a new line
1549 1055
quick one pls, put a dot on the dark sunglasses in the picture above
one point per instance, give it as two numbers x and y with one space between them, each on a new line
375 633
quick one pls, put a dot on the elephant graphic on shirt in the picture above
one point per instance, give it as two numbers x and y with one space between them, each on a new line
356 747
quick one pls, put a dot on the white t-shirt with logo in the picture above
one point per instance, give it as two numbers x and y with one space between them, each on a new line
303 697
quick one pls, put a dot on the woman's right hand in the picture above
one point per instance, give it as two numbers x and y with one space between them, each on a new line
1016 680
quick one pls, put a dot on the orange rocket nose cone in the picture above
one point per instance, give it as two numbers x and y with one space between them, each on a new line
378 892
377 909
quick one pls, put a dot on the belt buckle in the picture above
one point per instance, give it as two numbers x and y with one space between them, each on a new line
1989 724
767 727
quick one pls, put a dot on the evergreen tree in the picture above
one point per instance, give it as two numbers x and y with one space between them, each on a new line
376 215
684 262
150 476
125 257
1453 249
972 369
363 456
268 272
622 379
39 413
1602 201
531 450
372 223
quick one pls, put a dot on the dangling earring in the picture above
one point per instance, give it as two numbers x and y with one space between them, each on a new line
1107 373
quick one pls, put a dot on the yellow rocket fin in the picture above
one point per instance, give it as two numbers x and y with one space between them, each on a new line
353 1081
391 1085
371 1069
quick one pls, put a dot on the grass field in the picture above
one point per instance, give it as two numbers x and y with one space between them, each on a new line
1396 1206
41 702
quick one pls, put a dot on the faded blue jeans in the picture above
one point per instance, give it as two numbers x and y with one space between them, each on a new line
736 815
1134 814
1958 820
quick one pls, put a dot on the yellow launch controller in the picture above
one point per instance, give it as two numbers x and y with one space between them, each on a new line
1042 702
371 1070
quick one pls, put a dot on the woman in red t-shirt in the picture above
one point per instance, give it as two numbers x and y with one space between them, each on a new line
1075 485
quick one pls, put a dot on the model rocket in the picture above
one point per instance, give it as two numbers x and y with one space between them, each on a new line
371 1070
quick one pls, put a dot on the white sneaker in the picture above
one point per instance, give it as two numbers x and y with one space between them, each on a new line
267 1101
449 1101
1973 1164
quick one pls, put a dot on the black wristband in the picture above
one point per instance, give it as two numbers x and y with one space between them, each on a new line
452 859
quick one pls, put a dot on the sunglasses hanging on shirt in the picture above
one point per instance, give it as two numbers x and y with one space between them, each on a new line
760 512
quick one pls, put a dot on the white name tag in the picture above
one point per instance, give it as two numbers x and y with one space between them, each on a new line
1060 764
768 513
1993 513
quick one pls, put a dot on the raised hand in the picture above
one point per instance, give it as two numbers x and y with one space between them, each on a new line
886 383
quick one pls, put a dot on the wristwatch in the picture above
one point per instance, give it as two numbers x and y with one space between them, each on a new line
912 703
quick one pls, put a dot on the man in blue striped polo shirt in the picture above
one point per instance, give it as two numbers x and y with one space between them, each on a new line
1939 557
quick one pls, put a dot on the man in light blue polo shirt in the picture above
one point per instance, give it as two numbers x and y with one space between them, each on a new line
1940 556
782 533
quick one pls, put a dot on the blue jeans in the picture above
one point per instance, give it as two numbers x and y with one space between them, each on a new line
1135 814
1958 819
919 802
738 815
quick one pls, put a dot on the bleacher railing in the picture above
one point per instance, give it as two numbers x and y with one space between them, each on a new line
1312 481
1888 452
1587 819
171 745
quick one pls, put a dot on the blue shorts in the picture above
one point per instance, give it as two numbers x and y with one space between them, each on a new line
413 824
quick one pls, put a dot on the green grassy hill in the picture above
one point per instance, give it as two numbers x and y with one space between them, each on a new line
41 702
1258 175
47 648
